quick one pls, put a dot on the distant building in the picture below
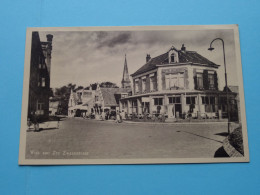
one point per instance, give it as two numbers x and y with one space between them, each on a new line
126 83
81 102
177 83
54 106
40 67
107 99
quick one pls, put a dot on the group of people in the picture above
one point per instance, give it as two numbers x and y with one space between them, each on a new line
118 116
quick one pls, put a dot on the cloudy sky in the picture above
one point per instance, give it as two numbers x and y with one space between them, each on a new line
83 58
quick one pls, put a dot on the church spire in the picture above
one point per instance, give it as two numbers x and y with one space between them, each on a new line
126 83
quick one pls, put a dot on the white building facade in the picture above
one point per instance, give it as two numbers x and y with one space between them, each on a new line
177 84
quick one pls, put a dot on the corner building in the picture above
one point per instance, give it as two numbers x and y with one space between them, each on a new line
178 83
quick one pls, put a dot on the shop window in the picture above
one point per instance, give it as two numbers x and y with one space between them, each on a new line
210 103
190 100
134 106
158 101
174 100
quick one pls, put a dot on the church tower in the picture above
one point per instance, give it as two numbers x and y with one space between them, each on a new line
126 83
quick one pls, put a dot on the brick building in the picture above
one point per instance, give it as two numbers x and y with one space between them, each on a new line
40 67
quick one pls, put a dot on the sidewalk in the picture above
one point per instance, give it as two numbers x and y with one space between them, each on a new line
175 123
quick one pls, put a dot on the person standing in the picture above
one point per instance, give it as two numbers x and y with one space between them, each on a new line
117 117
35 122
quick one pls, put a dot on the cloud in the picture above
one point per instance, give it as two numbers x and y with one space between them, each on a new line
94 56
113 41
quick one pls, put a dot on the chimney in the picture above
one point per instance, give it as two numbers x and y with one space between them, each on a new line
48 52
49 37
183 48
148 57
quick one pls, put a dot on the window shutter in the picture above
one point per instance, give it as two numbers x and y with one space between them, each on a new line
205 80
163 81
155 82
216 80
195 82
140 85
147 83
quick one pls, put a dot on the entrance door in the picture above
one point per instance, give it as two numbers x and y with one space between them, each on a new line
171 111
177 110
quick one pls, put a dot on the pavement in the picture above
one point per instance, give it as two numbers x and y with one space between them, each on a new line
78 138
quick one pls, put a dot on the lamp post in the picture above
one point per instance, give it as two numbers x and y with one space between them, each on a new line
211 49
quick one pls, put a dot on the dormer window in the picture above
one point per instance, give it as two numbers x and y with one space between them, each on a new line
172 58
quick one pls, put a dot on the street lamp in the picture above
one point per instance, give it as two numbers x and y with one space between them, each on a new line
211 49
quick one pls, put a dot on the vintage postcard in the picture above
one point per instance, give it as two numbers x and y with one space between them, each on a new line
133 95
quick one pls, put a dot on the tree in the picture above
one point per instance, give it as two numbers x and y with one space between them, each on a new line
63 94
108 84
51 94
93 86
79 87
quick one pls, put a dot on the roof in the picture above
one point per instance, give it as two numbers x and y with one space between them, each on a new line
110 95
184 57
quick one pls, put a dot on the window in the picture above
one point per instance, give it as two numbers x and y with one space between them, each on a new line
40 65
174 81
134 106
211 81
43 82
172 58
143 84
173 100
87 94
40 110
137 85
209 102
158 101
152 83
96 98
124 95
200 80
190 100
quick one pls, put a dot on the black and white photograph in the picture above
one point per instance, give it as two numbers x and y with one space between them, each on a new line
133 95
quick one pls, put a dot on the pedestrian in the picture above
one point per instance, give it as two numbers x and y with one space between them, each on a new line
120 116
103 116
29 123
35 122
117 117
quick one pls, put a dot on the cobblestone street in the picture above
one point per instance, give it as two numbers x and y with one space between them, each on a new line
90 139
